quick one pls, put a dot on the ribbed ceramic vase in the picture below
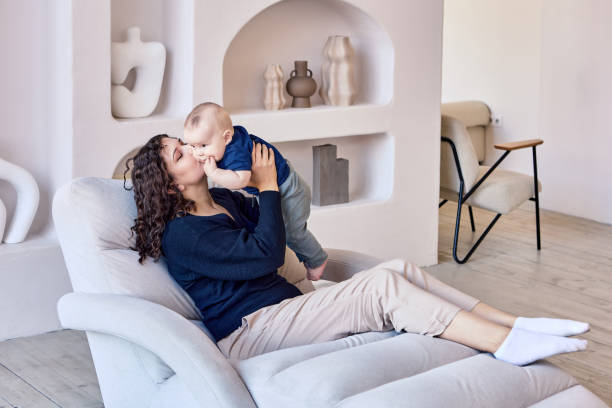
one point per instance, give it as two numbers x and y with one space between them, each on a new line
301 86
337 72
274 93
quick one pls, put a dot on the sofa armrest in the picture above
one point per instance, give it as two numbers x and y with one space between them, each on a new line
519 145
342 264
185 348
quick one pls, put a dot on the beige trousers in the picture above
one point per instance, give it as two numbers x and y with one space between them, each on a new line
392 295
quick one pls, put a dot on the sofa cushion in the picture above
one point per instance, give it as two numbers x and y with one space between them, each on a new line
478 381
576 396
294 272
321 375
93 219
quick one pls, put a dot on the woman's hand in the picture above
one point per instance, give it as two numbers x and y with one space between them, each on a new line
263 170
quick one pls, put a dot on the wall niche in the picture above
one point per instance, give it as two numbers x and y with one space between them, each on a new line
297 30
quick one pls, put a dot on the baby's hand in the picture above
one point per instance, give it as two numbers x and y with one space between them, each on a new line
198 153
210 165
315 273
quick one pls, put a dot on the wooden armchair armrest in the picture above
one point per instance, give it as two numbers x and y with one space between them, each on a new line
519 145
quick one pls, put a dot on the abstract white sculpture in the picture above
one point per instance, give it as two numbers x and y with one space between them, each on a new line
274 92
149 61
27 202
337 82
2 219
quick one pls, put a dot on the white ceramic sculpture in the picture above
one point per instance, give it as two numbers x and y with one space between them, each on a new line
337 72
274 92
2 219
149 61
27 201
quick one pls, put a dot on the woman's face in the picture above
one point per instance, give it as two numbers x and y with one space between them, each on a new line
181 164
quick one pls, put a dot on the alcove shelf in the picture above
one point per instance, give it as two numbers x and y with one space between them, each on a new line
171 23
371 165
359 203
320 121
293 30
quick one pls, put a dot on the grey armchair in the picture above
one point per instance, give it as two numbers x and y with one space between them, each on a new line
150 348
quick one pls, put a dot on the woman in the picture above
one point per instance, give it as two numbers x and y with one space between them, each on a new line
224 250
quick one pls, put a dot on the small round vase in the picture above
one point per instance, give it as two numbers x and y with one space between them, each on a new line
301 86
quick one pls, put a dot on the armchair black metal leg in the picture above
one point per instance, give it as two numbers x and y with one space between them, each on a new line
462 198
537 199
472 218
456 238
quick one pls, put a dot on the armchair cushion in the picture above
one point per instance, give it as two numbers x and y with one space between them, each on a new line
502 192
470 113
476 116
455 130
478 137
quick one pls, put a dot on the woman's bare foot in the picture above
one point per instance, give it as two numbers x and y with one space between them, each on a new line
315 274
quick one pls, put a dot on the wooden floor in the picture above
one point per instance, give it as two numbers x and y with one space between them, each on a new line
50 370
570 277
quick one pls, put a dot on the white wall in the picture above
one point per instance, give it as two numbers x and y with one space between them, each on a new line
491 52
576 102
544 66
25 63
36 95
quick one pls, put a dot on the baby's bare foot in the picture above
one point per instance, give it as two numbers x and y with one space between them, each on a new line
315 274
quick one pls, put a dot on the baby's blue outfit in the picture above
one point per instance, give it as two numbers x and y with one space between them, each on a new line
295 195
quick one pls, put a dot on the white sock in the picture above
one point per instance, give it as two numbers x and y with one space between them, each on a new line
523 347
556 327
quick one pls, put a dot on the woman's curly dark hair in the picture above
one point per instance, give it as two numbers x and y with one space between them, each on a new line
155 203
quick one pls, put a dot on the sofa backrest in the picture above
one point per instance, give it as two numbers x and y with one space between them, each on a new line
93 217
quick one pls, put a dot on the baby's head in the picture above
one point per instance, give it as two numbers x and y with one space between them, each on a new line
208 128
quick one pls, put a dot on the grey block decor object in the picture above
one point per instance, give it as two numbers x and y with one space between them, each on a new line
330 176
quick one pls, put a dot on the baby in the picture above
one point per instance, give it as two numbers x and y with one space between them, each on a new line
209 130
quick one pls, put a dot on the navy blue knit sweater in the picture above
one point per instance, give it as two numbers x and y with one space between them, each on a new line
228 267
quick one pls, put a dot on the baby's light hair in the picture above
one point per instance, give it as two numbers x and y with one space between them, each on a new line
197 116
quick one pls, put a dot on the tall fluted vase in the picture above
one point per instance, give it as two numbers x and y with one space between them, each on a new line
274 91
337 72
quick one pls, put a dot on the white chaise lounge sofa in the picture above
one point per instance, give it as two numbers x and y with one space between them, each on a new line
151 350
